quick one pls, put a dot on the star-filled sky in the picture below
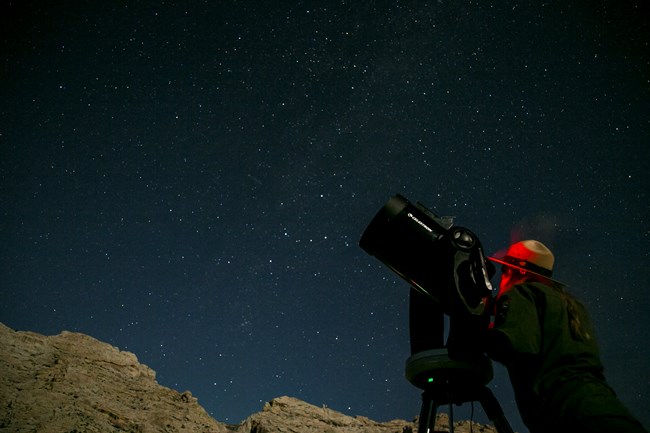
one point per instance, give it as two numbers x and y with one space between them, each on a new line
188 181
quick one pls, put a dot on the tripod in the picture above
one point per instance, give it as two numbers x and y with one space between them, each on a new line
448 381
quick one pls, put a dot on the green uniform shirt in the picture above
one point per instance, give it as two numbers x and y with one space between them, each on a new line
555 375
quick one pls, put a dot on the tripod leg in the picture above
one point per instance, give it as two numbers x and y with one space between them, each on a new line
494 412
427 414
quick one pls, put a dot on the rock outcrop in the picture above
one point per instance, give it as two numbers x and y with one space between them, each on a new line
73 383
290 415
286 414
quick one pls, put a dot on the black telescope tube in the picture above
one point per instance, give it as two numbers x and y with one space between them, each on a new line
404 236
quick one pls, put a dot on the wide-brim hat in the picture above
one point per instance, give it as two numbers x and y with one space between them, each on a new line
529 256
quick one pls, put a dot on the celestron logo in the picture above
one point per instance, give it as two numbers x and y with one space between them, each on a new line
410 215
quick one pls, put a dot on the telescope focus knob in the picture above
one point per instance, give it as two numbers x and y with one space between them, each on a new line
464 239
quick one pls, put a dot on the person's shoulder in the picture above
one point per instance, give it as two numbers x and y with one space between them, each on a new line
538 285
534 289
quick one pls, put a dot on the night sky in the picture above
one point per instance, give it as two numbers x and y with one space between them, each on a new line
189 181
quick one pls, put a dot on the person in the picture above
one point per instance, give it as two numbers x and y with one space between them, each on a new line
546 341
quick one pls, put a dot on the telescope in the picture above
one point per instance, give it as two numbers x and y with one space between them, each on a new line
446 269
440 260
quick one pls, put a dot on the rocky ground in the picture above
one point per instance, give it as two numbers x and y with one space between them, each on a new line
73 383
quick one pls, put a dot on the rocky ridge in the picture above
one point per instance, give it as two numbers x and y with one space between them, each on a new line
73 383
